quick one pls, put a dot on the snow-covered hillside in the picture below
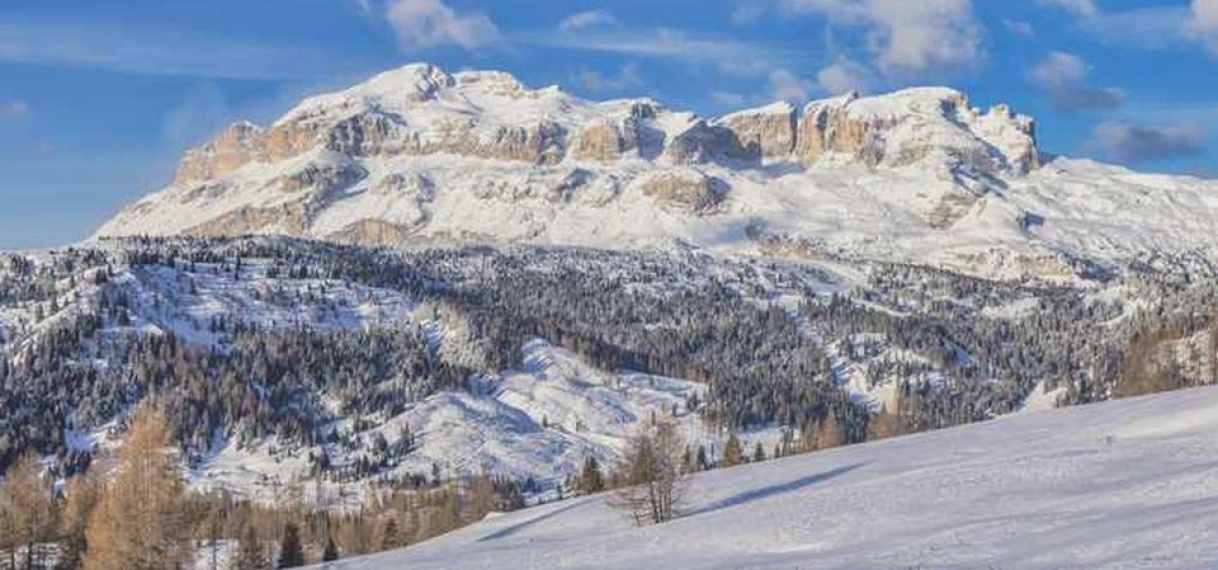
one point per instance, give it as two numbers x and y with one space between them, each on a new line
417 155
1119 485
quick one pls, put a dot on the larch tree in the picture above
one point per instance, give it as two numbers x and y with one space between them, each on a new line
141 522
733 451
82 497
291 549
31 501
250 554
10 536
331 552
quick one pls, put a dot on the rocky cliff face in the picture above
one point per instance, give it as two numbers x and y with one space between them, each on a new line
420 110
767 134
893 131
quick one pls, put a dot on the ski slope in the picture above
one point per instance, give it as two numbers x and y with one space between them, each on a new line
1129 484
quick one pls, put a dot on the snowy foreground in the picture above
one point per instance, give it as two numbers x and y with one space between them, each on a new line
1130 484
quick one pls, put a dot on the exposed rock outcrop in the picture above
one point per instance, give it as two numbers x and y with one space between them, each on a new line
768 134
687 189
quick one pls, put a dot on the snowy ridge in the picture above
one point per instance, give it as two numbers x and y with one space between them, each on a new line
1109 486
421 156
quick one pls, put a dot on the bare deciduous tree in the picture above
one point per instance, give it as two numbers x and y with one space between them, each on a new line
653 483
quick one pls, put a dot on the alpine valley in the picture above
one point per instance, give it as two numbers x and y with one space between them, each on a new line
432 275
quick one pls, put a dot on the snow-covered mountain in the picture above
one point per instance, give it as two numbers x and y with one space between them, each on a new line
419 155
1118 485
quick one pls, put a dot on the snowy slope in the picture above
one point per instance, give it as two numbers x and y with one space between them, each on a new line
539 422
1120 485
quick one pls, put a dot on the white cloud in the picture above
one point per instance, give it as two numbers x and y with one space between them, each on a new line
589 19
1154 27
727 98
1203 25
14 109
787 86
1020 28
1063 76
844 76
749 12
628 77
908 37
137 50
730 56
364 7
422 24
198 118
1079 8
1135 143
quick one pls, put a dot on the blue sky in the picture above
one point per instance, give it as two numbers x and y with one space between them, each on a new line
98 99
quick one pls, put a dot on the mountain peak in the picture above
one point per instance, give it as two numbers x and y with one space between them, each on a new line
418 153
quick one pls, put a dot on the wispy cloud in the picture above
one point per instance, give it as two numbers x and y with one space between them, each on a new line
1151 28
589 19
1203 24
14 109
730 55
1020 28
1133 143
1063 76
160 52
843 76
422 24
1079 8
627 78
727 98
905 37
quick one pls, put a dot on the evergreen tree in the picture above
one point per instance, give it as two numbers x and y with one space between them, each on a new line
591 480
758 453
291 550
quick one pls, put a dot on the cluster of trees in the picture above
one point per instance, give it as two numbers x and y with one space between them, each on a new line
137 514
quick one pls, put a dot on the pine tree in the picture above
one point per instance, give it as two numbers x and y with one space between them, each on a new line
250 555
291 551
140 522
591 480
733 452
758 453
